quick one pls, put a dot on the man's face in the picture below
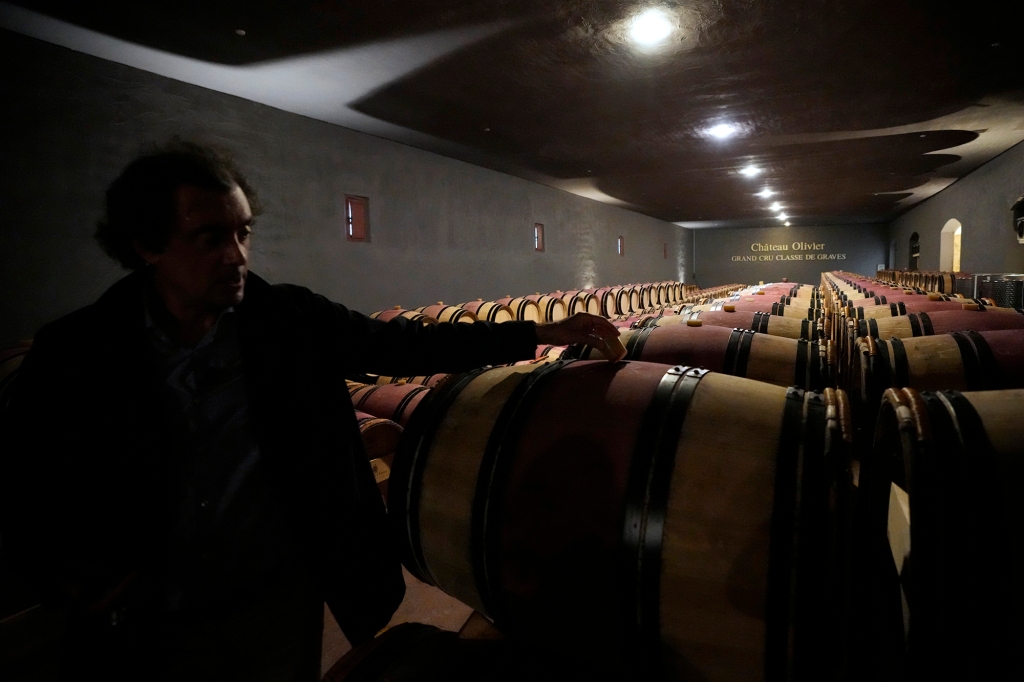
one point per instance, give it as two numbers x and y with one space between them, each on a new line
207 256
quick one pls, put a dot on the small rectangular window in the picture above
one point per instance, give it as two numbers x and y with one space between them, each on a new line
538 237
357 223
622 246
665 251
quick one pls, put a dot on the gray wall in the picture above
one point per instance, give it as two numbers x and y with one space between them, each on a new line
440 229
863 248
981 202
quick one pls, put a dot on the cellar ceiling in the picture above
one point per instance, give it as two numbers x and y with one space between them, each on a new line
742 112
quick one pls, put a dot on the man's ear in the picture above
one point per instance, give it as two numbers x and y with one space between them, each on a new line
150 257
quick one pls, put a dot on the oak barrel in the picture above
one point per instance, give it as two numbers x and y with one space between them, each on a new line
642 514
944 533
552 309
739 352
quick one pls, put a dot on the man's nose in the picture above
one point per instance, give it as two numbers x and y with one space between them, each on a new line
235 252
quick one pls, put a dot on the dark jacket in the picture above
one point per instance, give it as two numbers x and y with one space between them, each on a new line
83 476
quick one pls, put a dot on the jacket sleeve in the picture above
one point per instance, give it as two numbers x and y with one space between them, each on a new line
403 347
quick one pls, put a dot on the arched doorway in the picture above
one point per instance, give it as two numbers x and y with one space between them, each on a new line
915 252
949 246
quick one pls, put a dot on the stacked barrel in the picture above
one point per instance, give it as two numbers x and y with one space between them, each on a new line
936 382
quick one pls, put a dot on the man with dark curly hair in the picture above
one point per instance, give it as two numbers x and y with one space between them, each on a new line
184 469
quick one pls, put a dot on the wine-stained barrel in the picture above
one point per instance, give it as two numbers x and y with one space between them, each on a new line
398 311
639 514
764 323
523 309
945 524
739 352
552 308
396 402
447 313
489 311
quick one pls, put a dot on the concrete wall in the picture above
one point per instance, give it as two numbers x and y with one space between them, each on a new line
727 256
981 202
440 229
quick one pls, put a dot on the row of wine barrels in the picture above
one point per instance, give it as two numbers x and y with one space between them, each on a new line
552 309
764 323
739 352
396 402
429 380
447 313
639 514
489 311
398 311
523 309
929 281
943 534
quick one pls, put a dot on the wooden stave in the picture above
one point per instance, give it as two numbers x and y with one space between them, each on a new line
408 460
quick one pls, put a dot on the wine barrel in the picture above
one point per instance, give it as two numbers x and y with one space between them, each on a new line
943 500
739 352
579 302
396 402
380 436
607 300
639 514
523 309
489 311
764 323
764 305
447 313
905 306
398 311
552 308
622 300
429 380
942 322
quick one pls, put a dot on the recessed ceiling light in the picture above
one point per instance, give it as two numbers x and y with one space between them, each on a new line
782 216
650 27
722 131
765 193
787 223
240 31
750 171
776 206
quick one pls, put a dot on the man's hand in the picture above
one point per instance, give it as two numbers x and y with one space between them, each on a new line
583 328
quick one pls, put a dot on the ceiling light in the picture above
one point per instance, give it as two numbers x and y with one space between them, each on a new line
722 131
650 27
787 223
776 206
750 171
782 216
240 31
765 193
